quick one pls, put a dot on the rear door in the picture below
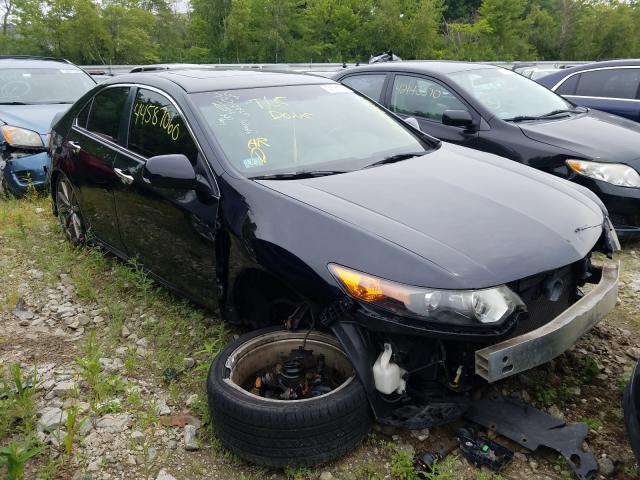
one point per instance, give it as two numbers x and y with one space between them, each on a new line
426 99
171 232
613 90
94 139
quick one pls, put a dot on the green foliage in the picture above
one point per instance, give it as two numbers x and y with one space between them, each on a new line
103 387
300 474
73 424
488 475
592 423
402 466
139 31
15 457
17 402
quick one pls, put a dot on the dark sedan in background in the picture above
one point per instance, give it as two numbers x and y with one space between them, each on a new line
498 111
612 86
33 90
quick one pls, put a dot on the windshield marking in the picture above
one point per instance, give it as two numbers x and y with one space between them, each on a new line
295 129
257 156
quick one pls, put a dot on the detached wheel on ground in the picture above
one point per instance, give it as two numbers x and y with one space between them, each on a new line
69 211
274 403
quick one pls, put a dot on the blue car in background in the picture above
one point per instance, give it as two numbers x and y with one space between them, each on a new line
33 90
611 86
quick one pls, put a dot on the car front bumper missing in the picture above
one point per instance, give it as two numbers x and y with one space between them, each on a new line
539 346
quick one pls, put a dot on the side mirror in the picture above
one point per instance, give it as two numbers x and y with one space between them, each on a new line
458 118
413 122
170 171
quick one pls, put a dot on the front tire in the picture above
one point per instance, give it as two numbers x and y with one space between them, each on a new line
69 211
284 433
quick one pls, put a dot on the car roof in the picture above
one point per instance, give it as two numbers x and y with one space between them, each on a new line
25 61
164 66
429 67
203 80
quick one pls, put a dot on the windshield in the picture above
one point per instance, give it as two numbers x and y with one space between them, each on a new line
43 85
302 128
507 94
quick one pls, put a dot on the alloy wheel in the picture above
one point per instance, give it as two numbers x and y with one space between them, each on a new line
69 212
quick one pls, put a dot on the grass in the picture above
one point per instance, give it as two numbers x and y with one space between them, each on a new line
549 389
300 474
403 467
592 423
30 237
103 388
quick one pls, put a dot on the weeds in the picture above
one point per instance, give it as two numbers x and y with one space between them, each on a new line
368 472
402 466
73 424
300 474
102 386
487 475
17 403
15 457
592 423
624 379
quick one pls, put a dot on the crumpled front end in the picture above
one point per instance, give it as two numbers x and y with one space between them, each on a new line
439 365
22 170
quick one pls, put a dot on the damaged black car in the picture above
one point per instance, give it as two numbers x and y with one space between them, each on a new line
383 273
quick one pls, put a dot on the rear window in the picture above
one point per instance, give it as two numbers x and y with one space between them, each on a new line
568 87
612 83
43 85
369 85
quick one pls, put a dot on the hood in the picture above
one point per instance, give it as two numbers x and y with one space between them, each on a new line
480 219
33 117
594 135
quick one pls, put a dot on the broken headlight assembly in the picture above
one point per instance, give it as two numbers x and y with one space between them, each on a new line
613 173
486 306
21 137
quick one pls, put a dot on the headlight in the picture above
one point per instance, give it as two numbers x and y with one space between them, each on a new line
21 137
614 173
490 305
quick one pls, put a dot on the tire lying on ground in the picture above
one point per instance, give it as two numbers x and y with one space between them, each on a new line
284 433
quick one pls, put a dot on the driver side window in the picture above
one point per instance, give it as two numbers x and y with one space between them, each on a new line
422 98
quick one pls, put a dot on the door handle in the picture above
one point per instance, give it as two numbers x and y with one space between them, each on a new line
126 179
75 147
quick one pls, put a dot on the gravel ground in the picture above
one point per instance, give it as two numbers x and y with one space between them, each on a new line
119 366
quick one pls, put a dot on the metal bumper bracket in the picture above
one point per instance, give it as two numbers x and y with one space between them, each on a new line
539 346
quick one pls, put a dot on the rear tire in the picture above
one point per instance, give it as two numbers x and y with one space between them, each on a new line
285 433
69 211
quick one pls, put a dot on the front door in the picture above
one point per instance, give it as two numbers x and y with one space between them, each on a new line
426 100
171 232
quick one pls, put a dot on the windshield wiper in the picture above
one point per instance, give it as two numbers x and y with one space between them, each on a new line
521 118
561 110
298 175
396 158
14 103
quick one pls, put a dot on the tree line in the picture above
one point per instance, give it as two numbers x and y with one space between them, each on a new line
266 31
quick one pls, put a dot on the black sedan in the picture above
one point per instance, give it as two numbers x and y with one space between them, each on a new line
498 111
401 266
